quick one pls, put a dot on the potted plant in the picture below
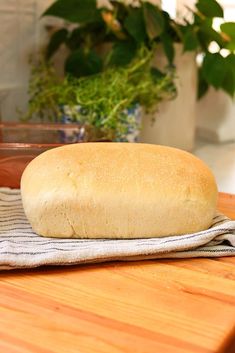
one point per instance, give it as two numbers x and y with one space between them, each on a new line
110 36
128 25
105 104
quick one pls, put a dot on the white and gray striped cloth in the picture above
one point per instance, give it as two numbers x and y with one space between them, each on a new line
20 247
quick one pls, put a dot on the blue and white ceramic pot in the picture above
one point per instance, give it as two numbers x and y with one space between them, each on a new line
80 135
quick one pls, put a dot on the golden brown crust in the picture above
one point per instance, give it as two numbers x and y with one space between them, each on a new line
118 190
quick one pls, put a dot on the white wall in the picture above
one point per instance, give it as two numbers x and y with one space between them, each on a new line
20 36
216 117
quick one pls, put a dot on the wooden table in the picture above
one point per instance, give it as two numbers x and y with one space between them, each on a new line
167 306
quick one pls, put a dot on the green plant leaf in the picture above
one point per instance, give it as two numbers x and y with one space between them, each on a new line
123 53
229 80
203 86
56 40
210 8
230 60
75 38
219 72
230 46
156 73
88 35
154 20
171 28
135 25
202 25
199 20
229 29
80 11
228 84
190 39
168 47
209 34
80 63
214 69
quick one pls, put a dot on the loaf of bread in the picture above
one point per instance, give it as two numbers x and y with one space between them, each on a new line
117 190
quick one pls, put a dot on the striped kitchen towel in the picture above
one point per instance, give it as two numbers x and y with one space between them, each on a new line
20 247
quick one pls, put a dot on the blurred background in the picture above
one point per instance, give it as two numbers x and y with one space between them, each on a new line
205 127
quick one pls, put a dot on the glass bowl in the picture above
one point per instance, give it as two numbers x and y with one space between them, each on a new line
20 143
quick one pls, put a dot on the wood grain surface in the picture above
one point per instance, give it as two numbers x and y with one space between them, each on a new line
162 306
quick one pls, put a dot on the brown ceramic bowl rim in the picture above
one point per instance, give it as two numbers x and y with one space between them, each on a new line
6 145
44 126
39 126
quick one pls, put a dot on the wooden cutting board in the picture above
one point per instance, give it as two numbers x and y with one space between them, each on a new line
162 306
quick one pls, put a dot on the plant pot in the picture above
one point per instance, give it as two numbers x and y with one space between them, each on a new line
67 117
88 133
133 133
175 120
